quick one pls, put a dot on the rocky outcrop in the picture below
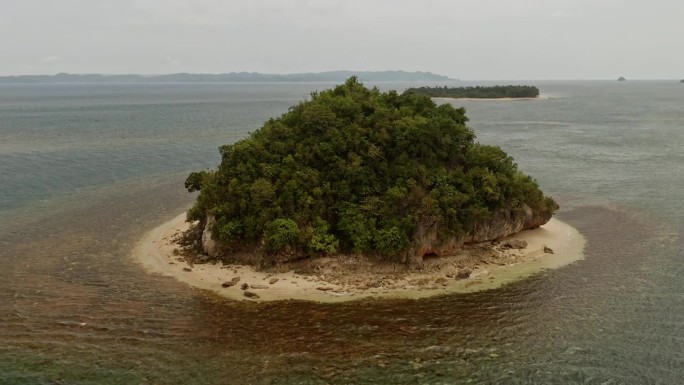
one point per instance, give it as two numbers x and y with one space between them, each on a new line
502 224
505 223
209 245
428 242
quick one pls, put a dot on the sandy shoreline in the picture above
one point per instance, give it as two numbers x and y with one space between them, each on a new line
155 252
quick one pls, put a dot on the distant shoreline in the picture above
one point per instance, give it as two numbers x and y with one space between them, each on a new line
540 97
155 252
232 77
504 92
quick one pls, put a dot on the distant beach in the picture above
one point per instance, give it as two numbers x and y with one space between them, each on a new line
540 97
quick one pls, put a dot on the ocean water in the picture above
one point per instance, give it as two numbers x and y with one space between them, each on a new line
85 170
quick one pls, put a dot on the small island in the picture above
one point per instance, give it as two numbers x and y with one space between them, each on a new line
357 193
681 81
621 79
478 92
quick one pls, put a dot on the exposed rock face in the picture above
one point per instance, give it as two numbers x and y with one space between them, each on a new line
209 245
428 242
507 223
502 224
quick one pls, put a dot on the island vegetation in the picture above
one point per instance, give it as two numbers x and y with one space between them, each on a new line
477 92
357 170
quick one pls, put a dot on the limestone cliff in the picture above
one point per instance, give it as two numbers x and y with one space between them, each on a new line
209 245
503 224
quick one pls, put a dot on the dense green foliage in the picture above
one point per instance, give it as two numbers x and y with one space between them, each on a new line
494 92
357 170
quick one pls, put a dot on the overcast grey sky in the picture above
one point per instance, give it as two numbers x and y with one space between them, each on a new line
467 39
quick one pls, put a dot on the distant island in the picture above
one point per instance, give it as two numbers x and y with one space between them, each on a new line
478 92
681 81
246 77
621 79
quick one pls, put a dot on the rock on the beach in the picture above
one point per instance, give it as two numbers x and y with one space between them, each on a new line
273 280
548 250
230 283
244 286
324 288
442 281
258 286
515 244
187 269
250 294
464 273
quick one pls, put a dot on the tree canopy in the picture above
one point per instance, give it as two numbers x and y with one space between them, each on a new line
357 170
478 92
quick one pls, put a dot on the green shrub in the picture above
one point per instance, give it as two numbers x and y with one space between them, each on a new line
280 234
321 241
390 241
228 231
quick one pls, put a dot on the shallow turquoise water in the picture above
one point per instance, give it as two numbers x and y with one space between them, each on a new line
84 169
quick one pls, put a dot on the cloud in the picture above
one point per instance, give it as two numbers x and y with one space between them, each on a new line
172 61
52 59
